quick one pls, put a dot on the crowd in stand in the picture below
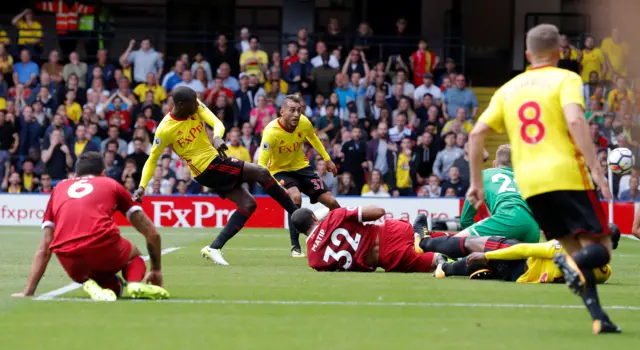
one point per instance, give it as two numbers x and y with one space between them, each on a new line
397 127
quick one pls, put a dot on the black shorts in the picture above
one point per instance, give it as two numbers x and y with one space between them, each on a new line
497 243
569 213
305 179
507 270
222 175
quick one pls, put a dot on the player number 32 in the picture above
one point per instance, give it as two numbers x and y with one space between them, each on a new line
532 130
335 239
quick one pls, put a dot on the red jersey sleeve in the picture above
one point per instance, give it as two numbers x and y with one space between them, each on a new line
48 219
125 203
352 214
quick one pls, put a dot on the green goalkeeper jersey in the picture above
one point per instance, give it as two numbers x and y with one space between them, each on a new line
500 191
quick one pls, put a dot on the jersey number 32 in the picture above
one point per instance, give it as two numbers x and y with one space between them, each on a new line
336 241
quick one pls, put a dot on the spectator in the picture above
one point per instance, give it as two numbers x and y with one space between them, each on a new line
589 88
113 170
446 157
363 39
235 148
425 155
455 182
228 81
130 172
159 94
405 168
433 188
30 131
191 186
144 60
298 76
74 111
598 140
355 123
355 158
356 62
9 140
188 81
346 186
225 54
617 95
607 129
303 40
345 94
216 90
114 135
12 184
243 100
167 172
449 69
261 111
591 61
118 108
45 184
82 143
378 153
319 60
72 85
408 89
292 50
427 87
76 67
329 123
56 156
400 129
569 55
200 62
324 78
375 187
174 77
274 76
97 87
108 70
378 84
615 50
333 36
58 123
53 67
404 107
276 94
460 96
243 45
130 184
632 194
6 64
422 61
461 118
254 61
450 192
29 32
25 72
4 37
249 141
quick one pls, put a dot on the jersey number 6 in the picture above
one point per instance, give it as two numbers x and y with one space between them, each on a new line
532 130
354 243
80 189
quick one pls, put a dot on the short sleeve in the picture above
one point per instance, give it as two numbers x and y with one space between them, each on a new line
493 116
353 214
571 90
132 57
124 202
48 220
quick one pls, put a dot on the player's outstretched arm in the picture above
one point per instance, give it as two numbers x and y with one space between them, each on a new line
205 114
141 222
371 213
160 142
39 264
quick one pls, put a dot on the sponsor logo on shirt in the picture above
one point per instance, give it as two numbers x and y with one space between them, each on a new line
190 136
290 149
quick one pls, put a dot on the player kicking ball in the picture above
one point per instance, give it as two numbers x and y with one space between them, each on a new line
282 153
79 228
342 242
183 130
555 164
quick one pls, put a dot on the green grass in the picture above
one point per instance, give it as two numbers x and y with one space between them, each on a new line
262 271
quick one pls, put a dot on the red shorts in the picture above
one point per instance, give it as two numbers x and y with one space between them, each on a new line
397 253
99 263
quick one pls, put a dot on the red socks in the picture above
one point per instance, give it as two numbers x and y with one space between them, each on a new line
135 270
441 234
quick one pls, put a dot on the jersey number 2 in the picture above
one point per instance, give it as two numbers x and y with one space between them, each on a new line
531 130
80 189
353 242
506 183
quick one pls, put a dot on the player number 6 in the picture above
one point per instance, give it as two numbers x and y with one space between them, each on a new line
80 189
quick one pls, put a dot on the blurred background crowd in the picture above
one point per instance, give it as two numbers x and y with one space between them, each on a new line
395 122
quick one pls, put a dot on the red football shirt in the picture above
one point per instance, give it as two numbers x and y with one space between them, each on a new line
341 242
289 61
81 212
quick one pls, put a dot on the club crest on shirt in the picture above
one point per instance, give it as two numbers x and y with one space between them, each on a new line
157 141
265 145
299 134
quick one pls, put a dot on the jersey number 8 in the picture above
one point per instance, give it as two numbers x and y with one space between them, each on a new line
532 130
353 242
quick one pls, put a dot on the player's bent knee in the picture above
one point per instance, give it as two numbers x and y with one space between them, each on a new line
295 195
249 205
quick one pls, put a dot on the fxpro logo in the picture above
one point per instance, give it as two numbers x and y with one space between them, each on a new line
185 218
12 215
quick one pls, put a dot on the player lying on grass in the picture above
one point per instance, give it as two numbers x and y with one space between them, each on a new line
510 214
183 130
79 228
281 152
515 262
342 242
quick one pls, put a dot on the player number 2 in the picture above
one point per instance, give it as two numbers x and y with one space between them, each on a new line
532 130
353 242
80 189
506 183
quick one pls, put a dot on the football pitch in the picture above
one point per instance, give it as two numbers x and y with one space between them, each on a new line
267 300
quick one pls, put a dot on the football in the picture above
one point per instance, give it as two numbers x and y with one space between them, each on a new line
621 160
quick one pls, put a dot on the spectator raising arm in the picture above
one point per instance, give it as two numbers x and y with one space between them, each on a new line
365 64
19 16
127 56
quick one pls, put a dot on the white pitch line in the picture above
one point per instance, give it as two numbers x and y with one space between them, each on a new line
356 303
73 286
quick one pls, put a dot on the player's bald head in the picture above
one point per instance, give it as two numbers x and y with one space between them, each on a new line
183 94
543 39
503 156
302 220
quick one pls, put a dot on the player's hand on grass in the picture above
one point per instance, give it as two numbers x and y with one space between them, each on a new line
475 196
220 146
476 258
155 277
138 194
332 168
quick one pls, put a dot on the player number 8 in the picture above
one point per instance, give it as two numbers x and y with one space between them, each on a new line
80 189
531 122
